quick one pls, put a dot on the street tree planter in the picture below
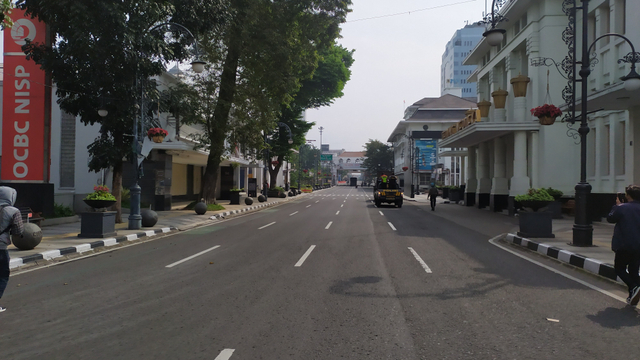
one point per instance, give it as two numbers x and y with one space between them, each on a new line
445 193
500 98
484 108
536 224
519 84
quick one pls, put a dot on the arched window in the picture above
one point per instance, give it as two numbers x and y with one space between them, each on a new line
357 161
348 161
340 161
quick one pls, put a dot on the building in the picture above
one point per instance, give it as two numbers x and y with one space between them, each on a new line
419 159
453 73
509 151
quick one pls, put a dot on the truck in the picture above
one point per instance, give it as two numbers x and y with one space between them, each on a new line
353 181
387 191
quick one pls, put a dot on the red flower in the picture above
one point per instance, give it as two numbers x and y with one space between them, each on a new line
275 162
405 168
546 110
305 171
157 132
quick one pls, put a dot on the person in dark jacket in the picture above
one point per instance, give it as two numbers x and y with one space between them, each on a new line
10 223
433 194
626 240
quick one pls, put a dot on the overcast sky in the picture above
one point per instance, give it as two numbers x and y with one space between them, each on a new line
397 59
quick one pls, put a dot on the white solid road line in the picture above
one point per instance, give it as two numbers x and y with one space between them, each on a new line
422 263
225 354
308 205
293 213
305 256
381 213
390 224
192 256
260 228
328 225
602 291
338 212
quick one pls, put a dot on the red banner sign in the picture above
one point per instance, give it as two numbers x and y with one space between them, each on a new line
23 104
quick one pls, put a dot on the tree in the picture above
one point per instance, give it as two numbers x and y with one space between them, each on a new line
105 53
258 60
379 158
324 86
5 7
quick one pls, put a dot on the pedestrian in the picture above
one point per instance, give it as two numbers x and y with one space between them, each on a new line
10 223
626 240
433 194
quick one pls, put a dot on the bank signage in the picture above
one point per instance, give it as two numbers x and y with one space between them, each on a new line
23 100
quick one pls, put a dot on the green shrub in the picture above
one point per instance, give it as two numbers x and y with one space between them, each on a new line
535 195
210 207
555 193
62 211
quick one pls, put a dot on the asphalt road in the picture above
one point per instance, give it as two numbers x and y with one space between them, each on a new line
326 276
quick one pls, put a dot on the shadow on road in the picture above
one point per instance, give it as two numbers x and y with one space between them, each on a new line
616 318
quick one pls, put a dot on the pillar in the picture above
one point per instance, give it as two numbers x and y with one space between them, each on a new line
499 183
472 181
483 193
535 160
520 182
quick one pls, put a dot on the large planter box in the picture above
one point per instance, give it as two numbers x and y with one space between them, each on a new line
556 209
273 193
98 224
536 224
445 193
454 196
234 197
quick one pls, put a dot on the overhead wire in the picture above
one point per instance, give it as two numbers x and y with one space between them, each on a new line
411 11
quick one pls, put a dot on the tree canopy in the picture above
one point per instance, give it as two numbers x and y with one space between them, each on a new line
379 158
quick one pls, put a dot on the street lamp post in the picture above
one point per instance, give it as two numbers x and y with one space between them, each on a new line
135 219
266 158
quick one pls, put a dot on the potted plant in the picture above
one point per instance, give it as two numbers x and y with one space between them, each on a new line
454 194
555 207
100 198
234 196
99 223
157 134
405 168
535 224
500 98
547 113
519 84
484 108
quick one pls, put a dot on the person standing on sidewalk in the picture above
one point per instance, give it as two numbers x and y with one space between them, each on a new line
626 240
433 194
10 223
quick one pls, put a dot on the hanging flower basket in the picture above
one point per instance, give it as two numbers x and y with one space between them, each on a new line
157 134
547 113
275 163
405 168
305 171
319 173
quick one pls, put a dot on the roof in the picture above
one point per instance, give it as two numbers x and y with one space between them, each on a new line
352 154
446 101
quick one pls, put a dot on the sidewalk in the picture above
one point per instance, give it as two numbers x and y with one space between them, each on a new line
61 241
597 259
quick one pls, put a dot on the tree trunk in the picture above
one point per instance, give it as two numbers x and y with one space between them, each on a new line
117 190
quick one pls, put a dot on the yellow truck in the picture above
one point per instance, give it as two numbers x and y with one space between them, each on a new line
387 191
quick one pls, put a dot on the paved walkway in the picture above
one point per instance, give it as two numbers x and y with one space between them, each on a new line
61 241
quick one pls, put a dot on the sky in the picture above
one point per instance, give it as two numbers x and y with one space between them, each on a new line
397 62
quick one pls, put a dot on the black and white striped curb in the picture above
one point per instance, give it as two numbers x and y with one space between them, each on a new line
52 254
233 212
592 265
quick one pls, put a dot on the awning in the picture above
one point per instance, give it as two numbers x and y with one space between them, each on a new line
480 132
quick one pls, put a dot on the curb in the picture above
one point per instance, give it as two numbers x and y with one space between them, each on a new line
233 212
591 265
52 254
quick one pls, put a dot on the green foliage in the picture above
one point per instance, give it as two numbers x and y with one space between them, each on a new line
535 195
555 193
210 207
100 193
379 158
62 211
5 8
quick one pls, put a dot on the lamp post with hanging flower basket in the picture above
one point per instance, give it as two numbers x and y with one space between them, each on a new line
547 113
157 134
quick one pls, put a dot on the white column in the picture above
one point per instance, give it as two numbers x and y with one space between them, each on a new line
520 109
472 181
499 183
463 170
484 180
535 160
520 182
499 115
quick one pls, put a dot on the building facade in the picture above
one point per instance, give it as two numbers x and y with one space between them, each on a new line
453 73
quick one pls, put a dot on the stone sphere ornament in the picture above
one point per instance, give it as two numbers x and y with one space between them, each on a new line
29 239
200 208
248 201
149 217
261 198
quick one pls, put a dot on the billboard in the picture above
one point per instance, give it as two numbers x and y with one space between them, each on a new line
24 118
426 152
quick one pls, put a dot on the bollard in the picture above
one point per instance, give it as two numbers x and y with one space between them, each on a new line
29 239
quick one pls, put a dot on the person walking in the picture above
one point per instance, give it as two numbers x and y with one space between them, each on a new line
10 223
626 240
433 194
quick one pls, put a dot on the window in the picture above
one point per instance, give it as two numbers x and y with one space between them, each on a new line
348 161
341 161
620 16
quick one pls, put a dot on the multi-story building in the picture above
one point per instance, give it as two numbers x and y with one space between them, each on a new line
509 151
453 73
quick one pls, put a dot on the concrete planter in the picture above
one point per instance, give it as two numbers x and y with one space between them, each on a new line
98 224
454 195
234 197
536 224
